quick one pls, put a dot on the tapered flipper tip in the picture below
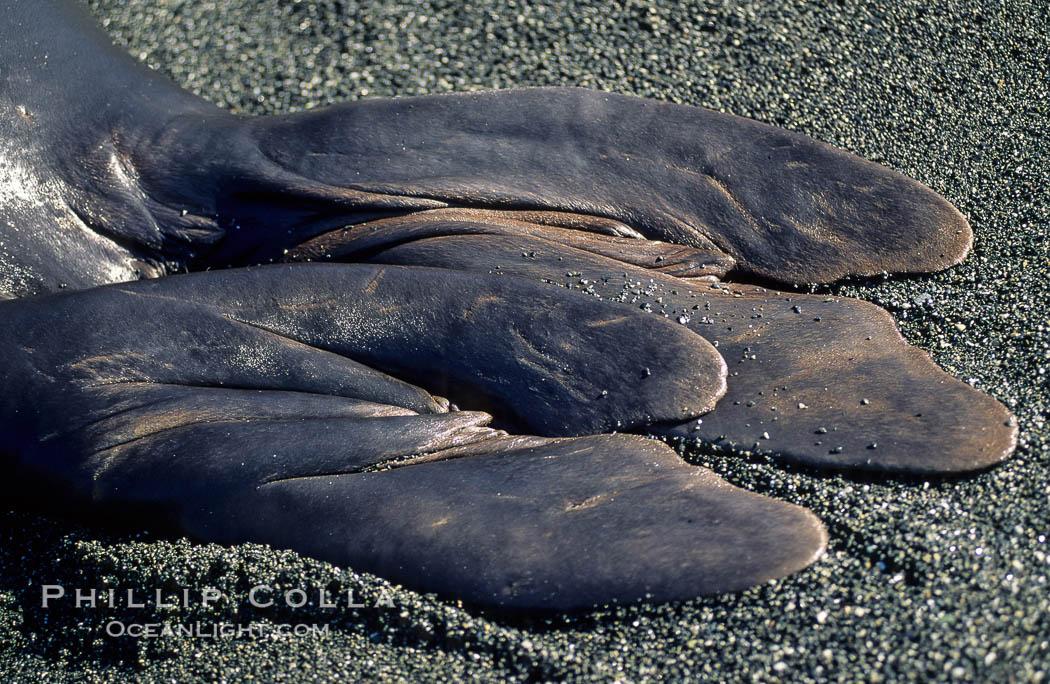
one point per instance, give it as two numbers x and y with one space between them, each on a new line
830 382
819 214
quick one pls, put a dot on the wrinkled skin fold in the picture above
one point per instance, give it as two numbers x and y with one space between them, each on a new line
511 282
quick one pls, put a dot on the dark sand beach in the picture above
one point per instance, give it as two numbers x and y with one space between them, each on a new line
924 579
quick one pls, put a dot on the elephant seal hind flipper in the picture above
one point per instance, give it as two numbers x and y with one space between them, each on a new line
167 181
782 205
112 173
252 416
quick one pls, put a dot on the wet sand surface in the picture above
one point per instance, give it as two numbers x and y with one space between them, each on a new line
924 578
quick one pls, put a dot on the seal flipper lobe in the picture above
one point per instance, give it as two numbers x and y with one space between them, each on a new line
570 524
483 339
783 205
105 355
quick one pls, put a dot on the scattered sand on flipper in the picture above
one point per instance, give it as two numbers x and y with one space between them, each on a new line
923 579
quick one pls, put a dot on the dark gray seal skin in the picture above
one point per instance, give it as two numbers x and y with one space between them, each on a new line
301 404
